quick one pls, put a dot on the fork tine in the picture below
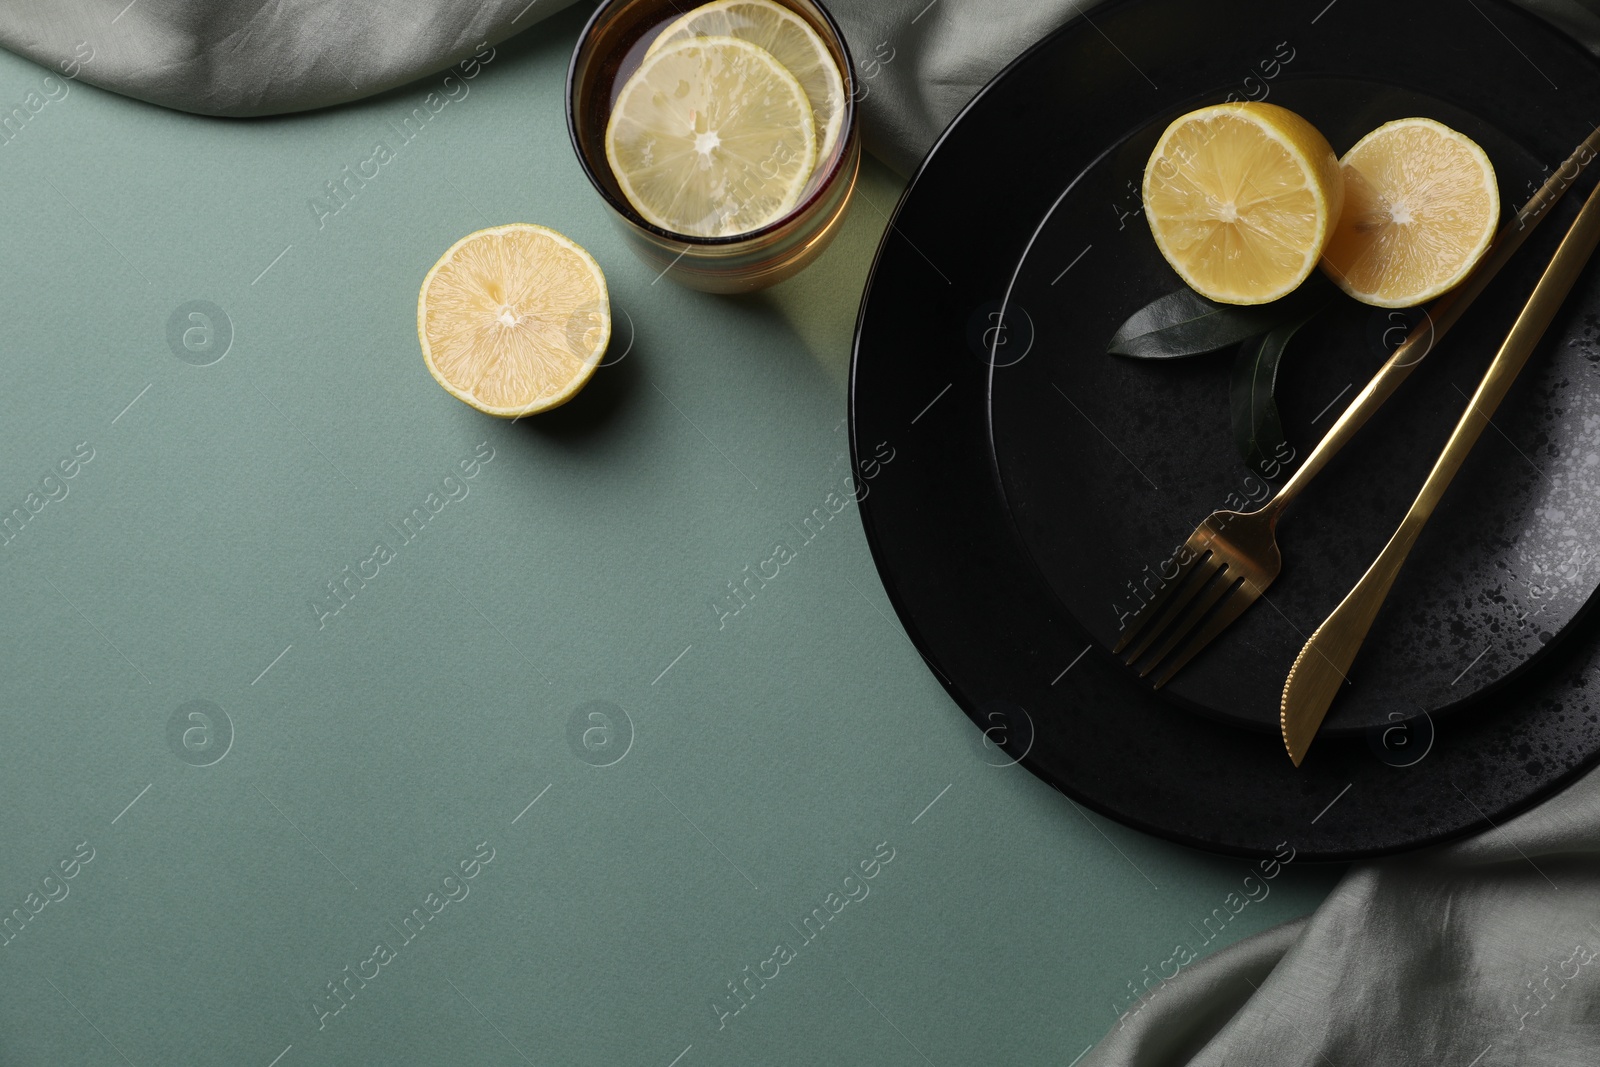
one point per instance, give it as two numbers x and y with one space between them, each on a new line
1244 594
1218 587
1148 613
1170 603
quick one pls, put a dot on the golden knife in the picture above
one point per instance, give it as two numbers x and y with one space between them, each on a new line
1323 663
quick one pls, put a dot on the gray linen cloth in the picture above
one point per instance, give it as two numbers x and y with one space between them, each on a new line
1478 954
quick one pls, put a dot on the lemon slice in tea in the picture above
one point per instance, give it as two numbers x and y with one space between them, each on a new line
1242 199
792 42
711 137
1421 206
514 319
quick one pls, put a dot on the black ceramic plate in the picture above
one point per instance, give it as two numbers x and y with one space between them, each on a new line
1008 528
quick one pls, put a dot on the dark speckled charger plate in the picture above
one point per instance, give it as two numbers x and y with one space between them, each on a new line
1025 204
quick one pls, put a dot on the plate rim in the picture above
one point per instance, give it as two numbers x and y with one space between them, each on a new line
909 620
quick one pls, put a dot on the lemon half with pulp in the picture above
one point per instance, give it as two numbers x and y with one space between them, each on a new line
1421 207
1242 199
514 319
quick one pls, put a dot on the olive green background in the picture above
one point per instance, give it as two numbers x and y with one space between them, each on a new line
367 757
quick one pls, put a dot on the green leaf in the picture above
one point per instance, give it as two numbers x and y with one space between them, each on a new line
1257 427
1185 323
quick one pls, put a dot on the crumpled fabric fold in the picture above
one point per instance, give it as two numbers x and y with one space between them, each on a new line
1485 952
918 62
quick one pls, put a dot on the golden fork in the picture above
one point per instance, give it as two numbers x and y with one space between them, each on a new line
1232 556
1321 667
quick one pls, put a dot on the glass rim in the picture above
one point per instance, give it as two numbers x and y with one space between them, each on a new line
627 210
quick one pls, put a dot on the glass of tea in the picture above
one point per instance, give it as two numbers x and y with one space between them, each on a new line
718 253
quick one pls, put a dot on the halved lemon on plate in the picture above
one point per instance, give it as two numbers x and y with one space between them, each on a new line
1421 207
711 137
513 320
1242 199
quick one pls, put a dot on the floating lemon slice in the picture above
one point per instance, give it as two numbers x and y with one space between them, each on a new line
1242 199
790 40
710 137
1421 206
514 319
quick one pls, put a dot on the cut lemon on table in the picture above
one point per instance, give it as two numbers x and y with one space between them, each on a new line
710 137
1242 199
514 319
789 39
1421 207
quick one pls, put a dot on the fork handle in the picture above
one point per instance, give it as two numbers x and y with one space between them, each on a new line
1441 315
1322 664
